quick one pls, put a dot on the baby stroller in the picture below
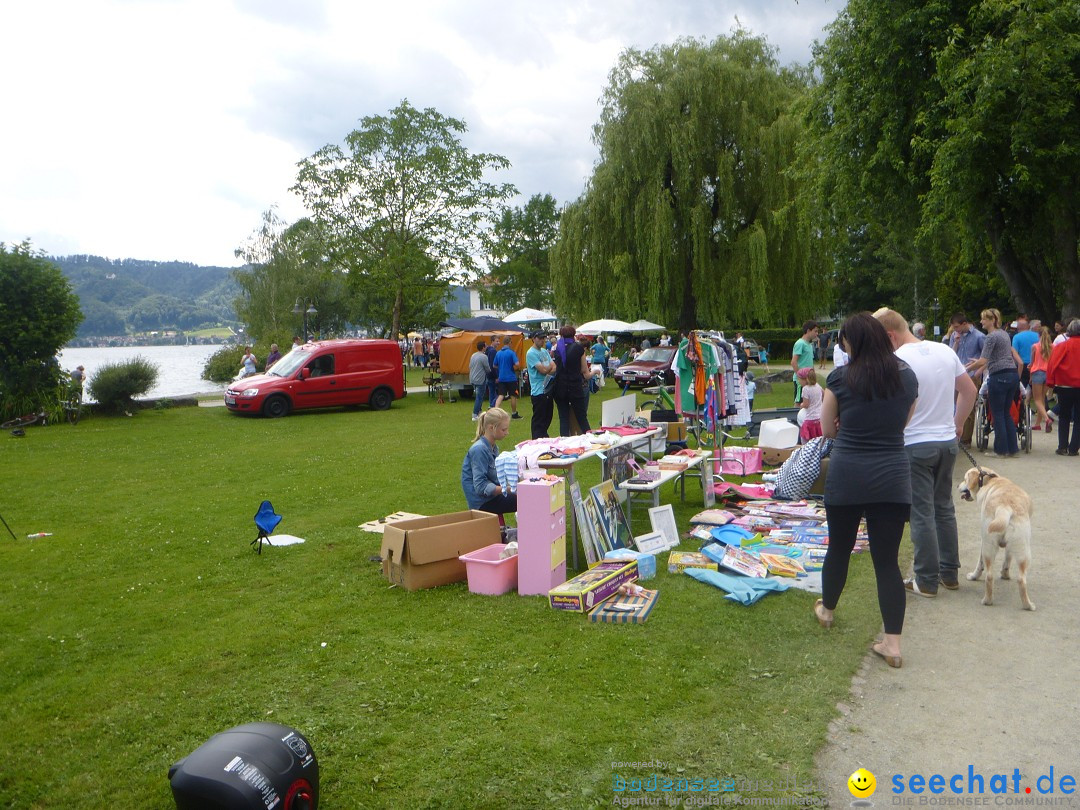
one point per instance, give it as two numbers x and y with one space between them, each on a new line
1021 414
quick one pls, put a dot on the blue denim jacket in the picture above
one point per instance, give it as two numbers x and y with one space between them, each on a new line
478 476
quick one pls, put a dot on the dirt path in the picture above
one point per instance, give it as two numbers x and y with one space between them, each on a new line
993 688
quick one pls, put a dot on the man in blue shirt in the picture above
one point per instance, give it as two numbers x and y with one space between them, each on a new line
1022 341
506 362
967 342
541 375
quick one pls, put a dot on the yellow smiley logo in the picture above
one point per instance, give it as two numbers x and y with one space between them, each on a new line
862 784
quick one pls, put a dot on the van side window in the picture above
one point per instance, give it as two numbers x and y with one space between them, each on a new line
322 366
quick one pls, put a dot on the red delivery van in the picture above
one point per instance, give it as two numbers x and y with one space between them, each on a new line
323 374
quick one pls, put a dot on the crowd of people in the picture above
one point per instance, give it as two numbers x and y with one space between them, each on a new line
898 409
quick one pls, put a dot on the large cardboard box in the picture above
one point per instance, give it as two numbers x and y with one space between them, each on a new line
423 553
775 456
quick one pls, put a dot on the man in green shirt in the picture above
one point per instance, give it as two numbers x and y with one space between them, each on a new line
802 354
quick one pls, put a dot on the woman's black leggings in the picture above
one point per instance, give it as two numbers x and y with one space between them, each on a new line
885 527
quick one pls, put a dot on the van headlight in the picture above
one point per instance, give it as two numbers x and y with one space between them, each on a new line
250 392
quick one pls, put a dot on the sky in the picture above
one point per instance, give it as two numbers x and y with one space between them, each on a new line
163 129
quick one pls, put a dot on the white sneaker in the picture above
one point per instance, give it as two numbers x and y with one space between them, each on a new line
475 418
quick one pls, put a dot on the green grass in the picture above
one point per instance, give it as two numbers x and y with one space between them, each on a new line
212 332
146 623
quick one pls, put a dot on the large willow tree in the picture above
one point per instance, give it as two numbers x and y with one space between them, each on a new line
690 217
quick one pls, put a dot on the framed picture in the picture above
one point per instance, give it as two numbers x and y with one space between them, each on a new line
651 543
707 482
612 518
619 465
662 519
600 541
585 526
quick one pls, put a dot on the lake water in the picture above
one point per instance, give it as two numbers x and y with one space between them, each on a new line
179 367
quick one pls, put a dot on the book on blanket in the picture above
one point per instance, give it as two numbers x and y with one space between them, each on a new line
742 562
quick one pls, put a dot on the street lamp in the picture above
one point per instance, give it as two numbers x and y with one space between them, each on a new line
936 307
305 307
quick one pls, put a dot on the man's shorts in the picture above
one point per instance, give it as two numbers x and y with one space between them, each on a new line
508 389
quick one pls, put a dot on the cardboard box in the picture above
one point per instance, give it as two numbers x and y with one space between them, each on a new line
676 430
592 587
423 553
621 609
678 561
775 456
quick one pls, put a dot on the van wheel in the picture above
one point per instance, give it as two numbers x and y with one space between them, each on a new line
380 400
275 406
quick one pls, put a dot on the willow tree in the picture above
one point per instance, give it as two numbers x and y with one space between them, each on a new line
691 215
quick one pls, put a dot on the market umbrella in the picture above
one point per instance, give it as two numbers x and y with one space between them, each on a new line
603 325
480 325
645 326
529 315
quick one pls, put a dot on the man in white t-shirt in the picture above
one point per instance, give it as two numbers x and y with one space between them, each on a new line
946 396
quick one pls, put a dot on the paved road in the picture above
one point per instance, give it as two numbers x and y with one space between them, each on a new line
994 688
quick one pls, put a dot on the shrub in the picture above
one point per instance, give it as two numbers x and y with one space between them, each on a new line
223 364
116 384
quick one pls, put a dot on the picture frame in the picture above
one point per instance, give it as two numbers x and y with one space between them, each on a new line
707 483
662 519
586 529
612 518
651 543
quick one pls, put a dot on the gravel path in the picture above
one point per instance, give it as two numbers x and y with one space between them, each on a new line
990 687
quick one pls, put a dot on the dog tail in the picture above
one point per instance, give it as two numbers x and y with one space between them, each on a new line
1001 520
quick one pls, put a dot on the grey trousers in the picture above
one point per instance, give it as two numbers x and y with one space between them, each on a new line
933 518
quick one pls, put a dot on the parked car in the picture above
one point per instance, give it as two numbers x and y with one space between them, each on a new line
641 369
322 375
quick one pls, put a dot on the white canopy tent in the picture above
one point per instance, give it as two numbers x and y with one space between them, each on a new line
642 326
529 315
603 325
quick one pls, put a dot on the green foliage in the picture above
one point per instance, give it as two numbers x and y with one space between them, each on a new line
121 644
115 385
691 215
403 207
520 264
284 266
223 364
944 135
38 314
121 295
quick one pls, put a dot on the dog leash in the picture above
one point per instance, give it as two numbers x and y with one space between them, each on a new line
983 474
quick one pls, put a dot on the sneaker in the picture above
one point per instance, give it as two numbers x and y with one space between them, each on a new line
475 418
913 586
952 584
1074 452
1061 451
1036 427
517 416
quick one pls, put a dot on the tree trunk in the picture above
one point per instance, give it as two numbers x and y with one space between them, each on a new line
395 324
1031 290
1066 235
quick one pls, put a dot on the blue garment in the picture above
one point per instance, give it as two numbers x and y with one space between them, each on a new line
505 361
600 353
968 347
744 590
490 351
1001 391
479 479
539 382
1022 342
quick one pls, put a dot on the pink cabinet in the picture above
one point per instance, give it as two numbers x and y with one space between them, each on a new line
541 519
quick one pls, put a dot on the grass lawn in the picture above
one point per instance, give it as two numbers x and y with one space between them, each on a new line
146 623
212 332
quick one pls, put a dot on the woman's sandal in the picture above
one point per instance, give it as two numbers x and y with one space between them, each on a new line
826 623
894 661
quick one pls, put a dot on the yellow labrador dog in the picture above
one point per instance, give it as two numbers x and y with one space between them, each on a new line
1006 512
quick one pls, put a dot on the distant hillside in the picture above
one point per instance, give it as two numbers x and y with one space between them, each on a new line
120 296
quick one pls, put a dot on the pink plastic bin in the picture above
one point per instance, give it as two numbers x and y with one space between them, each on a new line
487 573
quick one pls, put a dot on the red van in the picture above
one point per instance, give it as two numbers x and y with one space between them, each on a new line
324 374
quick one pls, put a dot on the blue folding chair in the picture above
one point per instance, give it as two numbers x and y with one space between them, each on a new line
266 519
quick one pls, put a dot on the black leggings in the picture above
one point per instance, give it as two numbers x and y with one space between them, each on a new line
885 527
581 411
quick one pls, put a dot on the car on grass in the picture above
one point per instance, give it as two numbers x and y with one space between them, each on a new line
641 370
323 374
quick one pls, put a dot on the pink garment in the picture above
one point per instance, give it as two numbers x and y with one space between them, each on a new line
810 429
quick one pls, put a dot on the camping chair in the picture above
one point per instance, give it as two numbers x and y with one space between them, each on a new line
266 519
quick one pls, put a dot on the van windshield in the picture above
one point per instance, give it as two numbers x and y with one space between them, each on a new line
287 365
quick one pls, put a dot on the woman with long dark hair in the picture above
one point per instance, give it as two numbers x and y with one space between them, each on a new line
865 407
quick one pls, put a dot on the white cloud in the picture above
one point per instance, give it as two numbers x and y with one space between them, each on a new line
161 129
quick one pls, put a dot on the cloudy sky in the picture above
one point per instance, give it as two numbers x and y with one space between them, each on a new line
162 129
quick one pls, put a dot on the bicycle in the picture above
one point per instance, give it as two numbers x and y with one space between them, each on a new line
663 401
17 424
